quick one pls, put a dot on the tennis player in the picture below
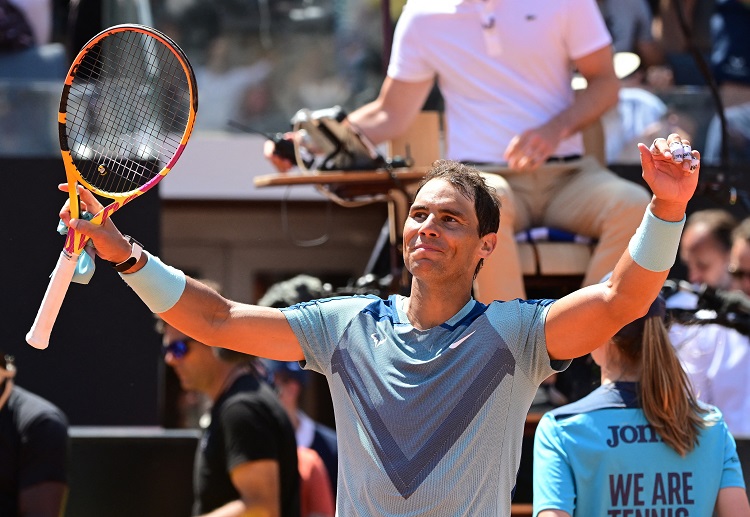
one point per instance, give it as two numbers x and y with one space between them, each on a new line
431 391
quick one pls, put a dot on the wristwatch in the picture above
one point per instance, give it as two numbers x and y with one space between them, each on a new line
136 250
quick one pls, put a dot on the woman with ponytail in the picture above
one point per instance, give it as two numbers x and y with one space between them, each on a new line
641 444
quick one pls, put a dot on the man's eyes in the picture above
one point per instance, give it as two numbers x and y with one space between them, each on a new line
424 215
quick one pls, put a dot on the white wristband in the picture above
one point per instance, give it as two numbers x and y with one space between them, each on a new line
159 286
654 245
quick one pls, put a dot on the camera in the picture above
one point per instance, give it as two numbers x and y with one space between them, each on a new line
335 144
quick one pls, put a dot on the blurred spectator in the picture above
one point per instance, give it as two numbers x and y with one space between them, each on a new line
739 257
225 90
677 45
705 245
29 61
34 450
630 24
730 62
290 379
38 13
715 355
316 494
15 31
232 84
359 48
640 115
247 459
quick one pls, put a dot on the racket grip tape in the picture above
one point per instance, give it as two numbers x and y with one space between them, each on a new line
38 336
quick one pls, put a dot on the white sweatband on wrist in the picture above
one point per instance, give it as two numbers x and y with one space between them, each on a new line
157 284
654 245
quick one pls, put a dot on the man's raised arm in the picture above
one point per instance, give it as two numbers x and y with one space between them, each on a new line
587 318
186 304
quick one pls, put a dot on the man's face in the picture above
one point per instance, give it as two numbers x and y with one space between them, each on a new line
441 239
704 257
196 369
287 389
739 265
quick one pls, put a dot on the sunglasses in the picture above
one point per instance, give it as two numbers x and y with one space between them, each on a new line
738 274
178 349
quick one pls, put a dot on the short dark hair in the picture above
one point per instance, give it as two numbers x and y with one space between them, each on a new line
301 288
470 183
719 222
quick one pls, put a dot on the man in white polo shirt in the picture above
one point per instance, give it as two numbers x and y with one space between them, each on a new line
504 69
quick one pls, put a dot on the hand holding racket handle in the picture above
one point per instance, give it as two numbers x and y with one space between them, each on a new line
38 336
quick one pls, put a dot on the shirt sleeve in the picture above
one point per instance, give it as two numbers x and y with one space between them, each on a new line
520 323
554 486
319 325
408 62
45 450
248 434
731 476
586 30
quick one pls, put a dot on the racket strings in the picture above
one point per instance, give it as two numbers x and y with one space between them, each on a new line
127 111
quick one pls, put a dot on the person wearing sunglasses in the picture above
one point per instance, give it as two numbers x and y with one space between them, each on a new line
246 463
34 450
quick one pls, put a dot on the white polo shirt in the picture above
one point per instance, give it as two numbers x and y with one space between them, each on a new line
502 66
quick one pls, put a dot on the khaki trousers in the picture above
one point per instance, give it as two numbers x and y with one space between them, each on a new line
579 196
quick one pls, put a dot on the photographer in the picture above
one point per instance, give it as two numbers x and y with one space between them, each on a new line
712 341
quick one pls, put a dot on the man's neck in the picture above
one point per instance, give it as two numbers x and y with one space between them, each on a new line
427 308
291 410
225 381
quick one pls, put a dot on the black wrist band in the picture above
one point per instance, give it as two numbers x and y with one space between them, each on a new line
136 250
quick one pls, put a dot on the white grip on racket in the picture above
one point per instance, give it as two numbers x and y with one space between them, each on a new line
38 336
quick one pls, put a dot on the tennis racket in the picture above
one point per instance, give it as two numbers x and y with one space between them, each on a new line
126 113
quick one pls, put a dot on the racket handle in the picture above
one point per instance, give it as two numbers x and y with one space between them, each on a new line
38 336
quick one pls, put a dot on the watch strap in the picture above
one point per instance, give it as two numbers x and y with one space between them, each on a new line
136 250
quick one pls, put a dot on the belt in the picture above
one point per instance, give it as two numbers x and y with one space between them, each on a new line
564 159
551 159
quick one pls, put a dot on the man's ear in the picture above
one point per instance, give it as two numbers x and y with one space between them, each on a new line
489 242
